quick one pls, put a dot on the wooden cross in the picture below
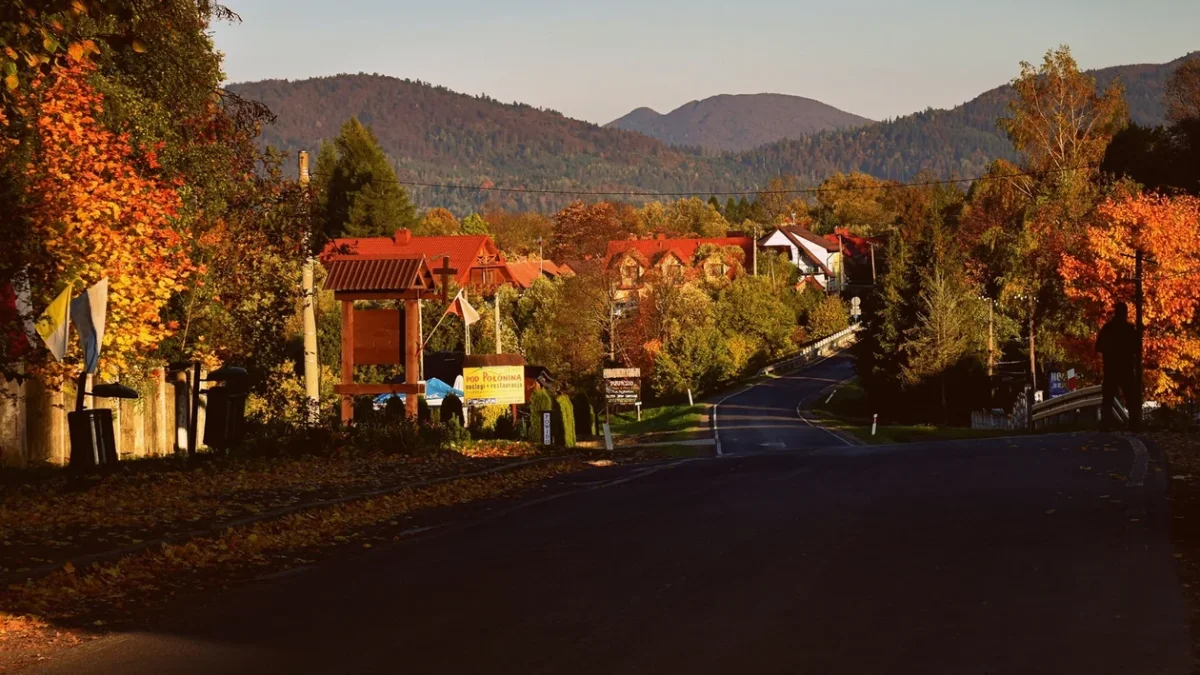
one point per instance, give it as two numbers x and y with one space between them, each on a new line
445 272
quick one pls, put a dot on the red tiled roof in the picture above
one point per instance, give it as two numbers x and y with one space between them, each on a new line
653 249
462 249
374 273
856 246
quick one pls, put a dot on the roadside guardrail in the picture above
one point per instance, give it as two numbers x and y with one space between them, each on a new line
1081 405
815 350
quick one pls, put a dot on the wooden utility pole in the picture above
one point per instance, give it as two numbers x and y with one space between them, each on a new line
497 302
872 263
991 360
754 247
312 368
841 264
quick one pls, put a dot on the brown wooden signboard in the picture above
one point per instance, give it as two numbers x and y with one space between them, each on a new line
378 337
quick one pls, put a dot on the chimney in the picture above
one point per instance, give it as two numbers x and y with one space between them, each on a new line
403 236
660 235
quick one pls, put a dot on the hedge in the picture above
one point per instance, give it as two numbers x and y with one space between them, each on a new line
562 421
539 403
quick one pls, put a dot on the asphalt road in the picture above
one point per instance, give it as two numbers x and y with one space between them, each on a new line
764 417
963 558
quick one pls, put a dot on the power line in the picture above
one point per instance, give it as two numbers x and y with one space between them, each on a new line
733 193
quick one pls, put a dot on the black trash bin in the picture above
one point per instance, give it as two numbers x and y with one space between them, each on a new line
93 442
225 417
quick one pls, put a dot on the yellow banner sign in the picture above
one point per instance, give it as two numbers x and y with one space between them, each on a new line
494 385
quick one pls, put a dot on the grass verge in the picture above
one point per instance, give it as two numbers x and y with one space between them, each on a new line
662 424
846 410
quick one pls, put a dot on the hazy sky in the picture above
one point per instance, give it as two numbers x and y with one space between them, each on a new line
597 61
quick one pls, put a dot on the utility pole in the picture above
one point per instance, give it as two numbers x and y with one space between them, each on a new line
841 264
497 302
991 360
872 263
1135 407
312 369
754 248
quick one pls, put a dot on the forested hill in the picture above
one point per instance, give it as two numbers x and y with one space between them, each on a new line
438 136
738 122
956 142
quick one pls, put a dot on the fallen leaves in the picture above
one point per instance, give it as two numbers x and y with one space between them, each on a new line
149 577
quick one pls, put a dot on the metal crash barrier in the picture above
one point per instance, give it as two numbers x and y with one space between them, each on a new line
1078 408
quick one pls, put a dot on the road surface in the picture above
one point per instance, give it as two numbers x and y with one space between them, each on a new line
960 558
765 418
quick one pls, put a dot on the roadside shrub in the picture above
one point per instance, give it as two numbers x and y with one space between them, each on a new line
483 420
585 416
562 421
424 416
505 430
539 402
455 432
452 409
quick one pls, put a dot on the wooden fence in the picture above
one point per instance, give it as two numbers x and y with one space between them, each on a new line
33 420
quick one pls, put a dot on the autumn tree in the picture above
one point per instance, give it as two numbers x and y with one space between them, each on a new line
855 201
749 308
520 233
95 209
683 218
1062 126
438 222
584 230
1182 94
361 195
1100 274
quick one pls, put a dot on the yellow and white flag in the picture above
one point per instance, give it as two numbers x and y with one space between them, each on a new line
52 325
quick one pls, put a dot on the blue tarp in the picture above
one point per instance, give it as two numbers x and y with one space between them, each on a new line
435 391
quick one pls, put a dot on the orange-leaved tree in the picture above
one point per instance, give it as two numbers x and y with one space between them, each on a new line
1101 273
95 209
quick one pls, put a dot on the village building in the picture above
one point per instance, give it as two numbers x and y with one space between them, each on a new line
819 258
479 263
526 271
631 263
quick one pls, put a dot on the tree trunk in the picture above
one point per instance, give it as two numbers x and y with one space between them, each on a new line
945 408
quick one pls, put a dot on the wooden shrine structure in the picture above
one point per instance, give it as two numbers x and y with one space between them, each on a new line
382 336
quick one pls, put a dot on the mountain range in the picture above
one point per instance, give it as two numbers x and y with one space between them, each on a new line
736 122
437 136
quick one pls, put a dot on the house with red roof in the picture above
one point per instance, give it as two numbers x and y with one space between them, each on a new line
819 258
632 262
524 272
480 265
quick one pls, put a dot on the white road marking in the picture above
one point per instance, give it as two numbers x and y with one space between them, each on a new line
716 429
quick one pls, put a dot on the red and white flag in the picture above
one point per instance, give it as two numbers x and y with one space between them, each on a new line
462 308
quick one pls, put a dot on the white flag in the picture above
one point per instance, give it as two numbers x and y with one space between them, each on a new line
461 307
88 312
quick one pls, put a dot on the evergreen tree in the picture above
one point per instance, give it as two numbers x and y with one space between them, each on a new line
359 193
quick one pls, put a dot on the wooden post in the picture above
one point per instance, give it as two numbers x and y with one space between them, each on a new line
157 438
872 263
412 350
182 411
347 359
1139 301
497 302
194 418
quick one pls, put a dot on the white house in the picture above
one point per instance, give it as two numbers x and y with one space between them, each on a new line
817 257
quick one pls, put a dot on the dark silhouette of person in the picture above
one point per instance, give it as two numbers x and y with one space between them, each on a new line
1118 344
